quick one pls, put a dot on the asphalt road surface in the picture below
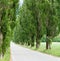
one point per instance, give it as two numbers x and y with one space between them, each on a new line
19 53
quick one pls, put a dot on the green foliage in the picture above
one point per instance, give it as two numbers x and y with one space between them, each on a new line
7 21
37 18
43 39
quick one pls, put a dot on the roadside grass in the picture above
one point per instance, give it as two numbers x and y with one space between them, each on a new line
6 56
55 49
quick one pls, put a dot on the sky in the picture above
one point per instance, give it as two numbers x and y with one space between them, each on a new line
20 2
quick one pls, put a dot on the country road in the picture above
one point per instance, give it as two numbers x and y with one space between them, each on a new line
19 53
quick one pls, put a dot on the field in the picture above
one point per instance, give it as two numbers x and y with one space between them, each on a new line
55 49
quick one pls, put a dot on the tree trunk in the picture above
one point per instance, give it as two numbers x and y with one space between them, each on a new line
1 42
32 41
49 46
37 43
46 44
28 43
38 34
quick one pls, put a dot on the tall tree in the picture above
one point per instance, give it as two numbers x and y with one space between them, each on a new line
7 18
51 22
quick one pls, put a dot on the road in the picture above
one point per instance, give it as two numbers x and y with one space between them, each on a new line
19 53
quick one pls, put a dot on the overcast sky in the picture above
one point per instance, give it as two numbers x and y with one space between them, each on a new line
21 2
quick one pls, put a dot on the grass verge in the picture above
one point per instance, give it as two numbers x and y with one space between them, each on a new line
6 56
55 49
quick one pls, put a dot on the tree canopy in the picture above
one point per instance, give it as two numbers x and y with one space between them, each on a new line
7 20
37 18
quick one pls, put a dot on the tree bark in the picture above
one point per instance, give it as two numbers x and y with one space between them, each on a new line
46 44
38 35
37 43
28 43
32 41
38 30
